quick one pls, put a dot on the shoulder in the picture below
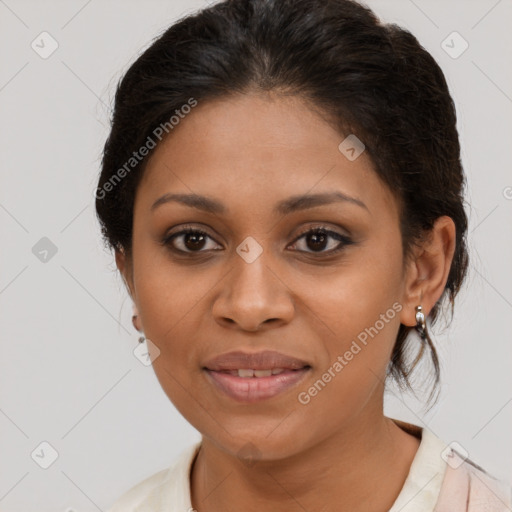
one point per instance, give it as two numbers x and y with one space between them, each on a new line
131 500
451 482
166 488
468 487
487 492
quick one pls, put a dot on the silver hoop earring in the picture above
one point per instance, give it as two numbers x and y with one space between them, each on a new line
421 326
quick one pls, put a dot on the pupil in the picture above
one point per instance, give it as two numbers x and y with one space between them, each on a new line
318 239
194 241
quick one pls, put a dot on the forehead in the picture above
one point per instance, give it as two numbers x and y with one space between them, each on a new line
256 148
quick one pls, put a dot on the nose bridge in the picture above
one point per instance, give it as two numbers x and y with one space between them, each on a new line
251 276
252 292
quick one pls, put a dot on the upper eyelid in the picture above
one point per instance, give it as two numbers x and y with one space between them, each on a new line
320 227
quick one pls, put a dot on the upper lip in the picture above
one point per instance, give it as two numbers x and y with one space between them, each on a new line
268 359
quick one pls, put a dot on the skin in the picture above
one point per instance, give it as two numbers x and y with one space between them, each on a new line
250 152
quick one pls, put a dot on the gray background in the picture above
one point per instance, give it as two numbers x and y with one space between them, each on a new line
68 375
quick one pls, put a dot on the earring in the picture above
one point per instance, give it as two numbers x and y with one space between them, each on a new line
420 322
134 322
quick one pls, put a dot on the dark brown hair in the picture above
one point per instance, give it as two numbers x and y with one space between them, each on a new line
368 78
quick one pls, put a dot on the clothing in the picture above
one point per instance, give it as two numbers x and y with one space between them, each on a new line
434 483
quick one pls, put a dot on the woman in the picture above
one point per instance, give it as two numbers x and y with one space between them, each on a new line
283 190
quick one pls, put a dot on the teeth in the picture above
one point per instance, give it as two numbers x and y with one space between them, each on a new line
257 373
262 373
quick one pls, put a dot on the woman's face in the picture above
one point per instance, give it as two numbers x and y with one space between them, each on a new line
256 281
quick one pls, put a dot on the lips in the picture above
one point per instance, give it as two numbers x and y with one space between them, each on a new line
250 378
249 373
260 361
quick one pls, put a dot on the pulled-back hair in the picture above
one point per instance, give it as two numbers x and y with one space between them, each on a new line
367 78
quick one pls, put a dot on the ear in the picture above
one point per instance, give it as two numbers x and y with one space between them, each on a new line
427 272
124 265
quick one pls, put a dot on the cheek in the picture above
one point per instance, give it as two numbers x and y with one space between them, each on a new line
360 295
356 316
356 351
166 292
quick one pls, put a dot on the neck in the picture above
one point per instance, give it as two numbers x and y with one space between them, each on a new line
340 473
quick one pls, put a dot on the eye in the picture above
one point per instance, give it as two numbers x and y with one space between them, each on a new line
189 240
318 240
193 240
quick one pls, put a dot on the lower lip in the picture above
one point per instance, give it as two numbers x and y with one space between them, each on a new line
254 389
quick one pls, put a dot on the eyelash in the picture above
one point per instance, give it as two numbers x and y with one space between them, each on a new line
343 239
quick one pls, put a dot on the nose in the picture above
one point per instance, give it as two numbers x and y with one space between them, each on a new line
253 297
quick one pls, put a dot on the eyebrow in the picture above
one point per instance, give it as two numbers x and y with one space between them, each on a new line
285 207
